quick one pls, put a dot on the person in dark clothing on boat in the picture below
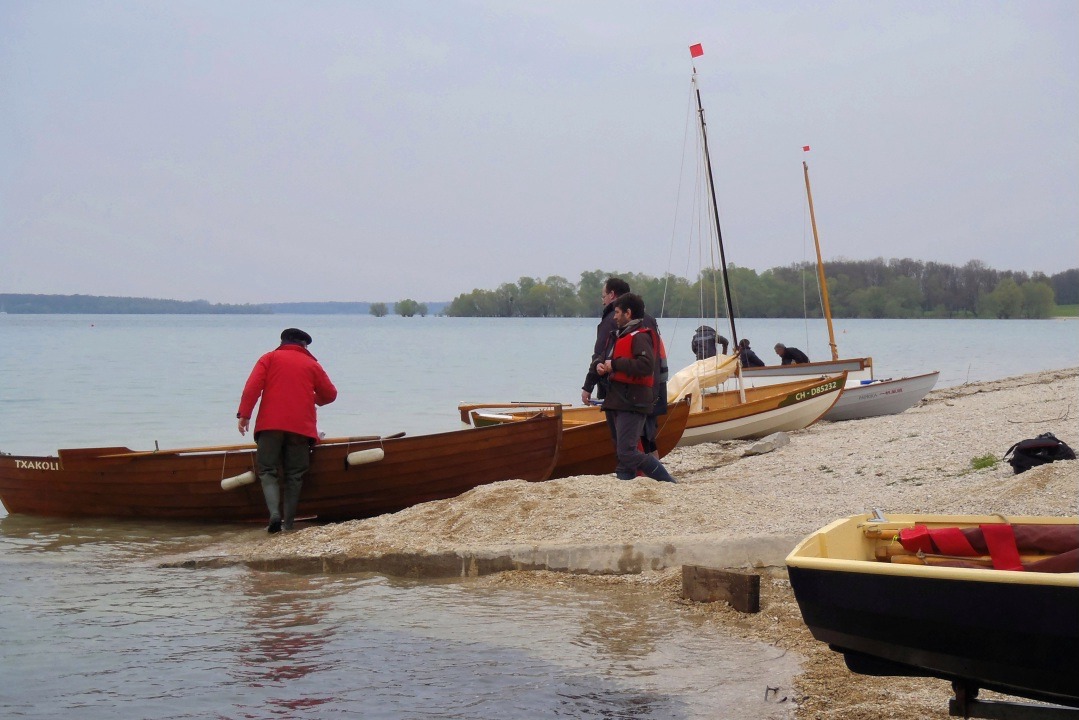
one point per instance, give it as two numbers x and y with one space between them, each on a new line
287 383
704 342
746 356
614 288
629 365
790 355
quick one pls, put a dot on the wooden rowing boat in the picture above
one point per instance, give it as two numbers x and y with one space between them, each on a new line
714 416
893 611
186 484
586 447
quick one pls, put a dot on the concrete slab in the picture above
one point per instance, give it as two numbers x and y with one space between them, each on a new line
712 551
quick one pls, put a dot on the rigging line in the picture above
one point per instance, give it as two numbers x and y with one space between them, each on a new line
709 306
805 298
678 195
719 274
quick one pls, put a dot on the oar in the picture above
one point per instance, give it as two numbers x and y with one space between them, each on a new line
981 560
247 446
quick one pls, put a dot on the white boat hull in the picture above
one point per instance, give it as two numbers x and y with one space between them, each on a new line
856 368
882 397
785 419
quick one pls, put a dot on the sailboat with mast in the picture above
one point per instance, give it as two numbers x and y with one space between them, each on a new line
861 398
744 412
714 414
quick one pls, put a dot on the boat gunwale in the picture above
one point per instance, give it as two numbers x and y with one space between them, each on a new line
798 558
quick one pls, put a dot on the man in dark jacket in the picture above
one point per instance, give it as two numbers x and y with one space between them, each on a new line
704 342
630 369
790 355
613 288
290 383
746 356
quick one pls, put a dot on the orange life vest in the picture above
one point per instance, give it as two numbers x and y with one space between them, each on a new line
623 348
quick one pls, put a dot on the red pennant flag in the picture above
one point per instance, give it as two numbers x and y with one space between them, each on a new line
696 50
805 148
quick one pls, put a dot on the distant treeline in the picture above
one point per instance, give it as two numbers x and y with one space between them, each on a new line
401 307
102 305
857 289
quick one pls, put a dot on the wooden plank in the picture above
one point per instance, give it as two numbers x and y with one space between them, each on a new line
741 590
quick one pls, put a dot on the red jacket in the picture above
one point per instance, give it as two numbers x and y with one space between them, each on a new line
291 383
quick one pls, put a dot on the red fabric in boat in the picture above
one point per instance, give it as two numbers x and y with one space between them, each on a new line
951 541
1002 548
916 539
1066 562
1032 539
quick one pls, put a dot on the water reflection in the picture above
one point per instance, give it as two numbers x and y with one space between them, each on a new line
94 628
287 634
121 540
621 629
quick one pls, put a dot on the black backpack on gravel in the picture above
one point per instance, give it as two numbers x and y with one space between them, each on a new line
1038 451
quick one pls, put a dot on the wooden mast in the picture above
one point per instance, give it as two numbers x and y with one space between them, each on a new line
820 268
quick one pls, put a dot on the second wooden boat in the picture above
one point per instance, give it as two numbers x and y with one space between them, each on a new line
586 447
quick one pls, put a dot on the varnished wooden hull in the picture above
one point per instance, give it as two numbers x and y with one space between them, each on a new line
185 485
1009 631
587 448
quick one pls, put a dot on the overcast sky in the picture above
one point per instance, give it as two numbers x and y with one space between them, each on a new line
365 150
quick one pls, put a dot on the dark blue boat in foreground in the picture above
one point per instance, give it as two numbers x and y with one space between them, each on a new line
892 610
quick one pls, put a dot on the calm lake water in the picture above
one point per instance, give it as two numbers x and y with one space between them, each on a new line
92 628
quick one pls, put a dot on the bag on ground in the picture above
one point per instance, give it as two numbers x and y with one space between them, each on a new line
1045 448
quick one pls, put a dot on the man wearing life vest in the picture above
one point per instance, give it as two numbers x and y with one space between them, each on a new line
613 288
630 368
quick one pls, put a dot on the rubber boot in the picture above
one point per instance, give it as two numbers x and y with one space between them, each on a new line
272 493
654 469
292 500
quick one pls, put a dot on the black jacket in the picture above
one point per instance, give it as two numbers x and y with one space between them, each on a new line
606 326
794 356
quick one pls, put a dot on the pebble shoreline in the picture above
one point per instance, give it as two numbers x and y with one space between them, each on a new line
917 461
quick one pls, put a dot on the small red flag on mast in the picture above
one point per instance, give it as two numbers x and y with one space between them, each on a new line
696 50
805 148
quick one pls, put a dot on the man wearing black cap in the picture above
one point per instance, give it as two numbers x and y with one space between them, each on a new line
291 383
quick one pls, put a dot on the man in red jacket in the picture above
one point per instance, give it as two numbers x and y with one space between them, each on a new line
291 383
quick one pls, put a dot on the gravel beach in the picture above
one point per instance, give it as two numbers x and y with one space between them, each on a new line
918 461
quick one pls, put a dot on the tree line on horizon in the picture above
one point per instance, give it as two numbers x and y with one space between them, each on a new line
31 304
856 288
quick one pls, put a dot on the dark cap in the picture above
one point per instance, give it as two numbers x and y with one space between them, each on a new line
295 335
